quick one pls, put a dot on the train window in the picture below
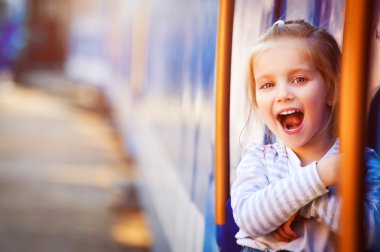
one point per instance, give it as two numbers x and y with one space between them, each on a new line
244 127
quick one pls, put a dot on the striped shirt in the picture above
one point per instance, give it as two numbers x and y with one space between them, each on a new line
271 185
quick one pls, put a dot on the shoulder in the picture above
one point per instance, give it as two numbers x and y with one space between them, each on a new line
253 147
253 160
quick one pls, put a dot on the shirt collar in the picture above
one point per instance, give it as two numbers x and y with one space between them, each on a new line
334 150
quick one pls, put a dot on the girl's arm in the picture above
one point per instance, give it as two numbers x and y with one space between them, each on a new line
327 208
260 207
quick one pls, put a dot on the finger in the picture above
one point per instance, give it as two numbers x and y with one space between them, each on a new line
282 232
279 237
288 230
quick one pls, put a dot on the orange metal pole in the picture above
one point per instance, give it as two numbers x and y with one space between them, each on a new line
223 72
355 65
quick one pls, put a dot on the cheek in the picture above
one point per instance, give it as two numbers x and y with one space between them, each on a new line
265 113
261 102
263 106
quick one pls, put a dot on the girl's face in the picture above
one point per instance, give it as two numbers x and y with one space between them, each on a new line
290 94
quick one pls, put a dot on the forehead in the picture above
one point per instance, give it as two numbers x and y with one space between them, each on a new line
281 55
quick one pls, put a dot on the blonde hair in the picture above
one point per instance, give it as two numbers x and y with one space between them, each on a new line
322 50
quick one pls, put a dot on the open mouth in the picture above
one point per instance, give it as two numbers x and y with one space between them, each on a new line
290 120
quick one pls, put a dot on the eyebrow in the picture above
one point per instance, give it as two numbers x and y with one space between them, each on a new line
308 71
262 78
266 76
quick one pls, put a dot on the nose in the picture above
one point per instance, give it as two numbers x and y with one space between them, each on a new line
284 93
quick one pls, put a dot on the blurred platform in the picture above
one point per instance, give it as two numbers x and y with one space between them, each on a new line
65 184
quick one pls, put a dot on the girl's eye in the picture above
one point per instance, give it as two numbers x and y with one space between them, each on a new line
266 85
299 80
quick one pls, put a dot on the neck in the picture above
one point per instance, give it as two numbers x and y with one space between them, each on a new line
314 150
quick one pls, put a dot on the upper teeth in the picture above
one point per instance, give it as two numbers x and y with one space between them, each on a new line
288 112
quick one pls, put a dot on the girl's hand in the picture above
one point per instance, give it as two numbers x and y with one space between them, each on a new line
285 232
328 170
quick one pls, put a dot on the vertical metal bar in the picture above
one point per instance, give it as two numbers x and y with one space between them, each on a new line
222 136
355 65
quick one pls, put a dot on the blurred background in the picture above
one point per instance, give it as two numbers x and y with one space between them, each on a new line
66 181
107 114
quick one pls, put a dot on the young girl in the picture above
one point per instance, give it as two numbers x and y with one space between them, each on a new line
284 196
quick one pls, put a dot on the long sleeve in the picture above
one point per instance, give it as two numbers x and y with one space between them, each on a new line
327 208
260 206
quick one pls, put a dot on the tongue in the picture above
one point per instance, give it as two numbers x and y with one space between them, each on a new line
292 121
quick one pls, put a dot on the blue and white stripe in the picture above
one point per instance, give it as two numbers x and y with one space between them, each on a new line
271 186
